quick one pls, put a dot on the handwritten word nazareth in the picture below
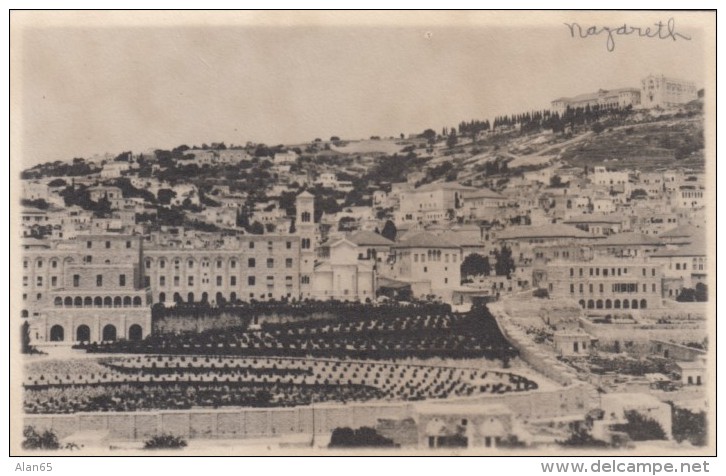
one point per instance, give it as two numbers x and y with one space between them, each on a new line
660 31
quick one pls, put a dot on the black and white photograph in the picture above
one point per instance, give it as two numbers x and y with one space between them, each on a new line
362 232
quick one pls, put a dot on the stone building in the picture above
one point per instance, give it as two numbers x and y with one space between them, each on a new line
88 290
660 91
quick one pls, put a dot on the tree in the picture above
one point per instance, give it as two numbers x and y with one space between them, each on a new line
452 140
505 263
556 181
59 182
429 134
641 428
165 196
256 228
389 230
475 265
597 128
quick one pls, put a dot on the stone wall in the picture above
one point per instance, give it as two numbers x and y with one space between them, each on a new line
242 423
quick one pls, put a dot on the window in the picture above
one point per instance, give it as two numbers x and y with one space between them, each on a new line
190 264
176 280
219 280
572 288
250 280
305 280
89 244
40 263
252 245
76 280
25 280
678 266
148 264
99 280
415 257
219 264
88 259
602 287
128 244
233 264
108 244
190 280
590 287
288 262
305 243
652 272
653 287
122 280
162 264
288 245
270 262
572 272
426 269
251 263
54 281
233 280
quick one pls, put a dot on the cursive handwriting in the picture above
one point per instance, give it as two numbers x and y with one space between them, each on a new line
662 31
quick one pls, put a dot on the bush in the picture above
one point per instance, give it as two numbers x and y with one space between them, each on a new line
47 440
640 428
360 438
164 441
541 293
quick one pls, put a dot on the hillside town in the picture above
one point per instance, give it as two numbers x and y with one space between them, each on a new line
576 236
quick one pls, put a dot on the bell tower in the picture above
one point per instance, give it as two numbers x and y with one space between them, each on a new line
305 229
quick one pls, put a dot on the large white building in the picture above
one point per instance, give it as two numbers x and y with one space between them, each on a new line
660 91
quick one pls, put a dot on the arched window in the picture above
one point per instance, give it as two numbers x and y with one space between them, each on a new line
88 302
219 298
608 304
58 301
617 304
109 333
137 301
599 304
56 333
582 303
24 313
233 297
177 297
162 297
135 332
643 304
97 301
634 304
127 301
626 304
68 301
78 302
205 297
590 304
117 301
107 301
83 334
190 297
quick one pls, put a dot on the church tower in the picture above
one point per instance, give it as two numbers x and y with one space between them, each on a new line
305 229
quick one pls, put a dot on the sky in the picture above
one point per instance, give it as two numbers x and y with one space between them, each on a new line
86 88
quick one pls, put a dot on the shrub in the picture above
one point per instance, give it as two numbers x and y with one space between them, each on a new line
362 437
164 441
47 440
641 428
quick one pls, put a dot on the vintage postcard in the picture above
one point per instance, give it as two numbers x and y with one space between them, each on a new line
258 233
